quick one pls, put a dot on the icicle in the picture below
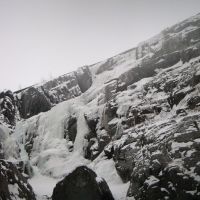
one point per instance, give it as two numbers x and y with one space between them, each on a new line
82 131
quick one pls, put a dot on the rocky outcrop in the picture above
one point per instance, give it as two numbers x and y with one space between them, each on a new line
84 78
112 88
101 131
160 158
67 86
70 128
8 107
33 102
13 185
62 88
41 98
82 184
157 172
90 151
154 129
172 45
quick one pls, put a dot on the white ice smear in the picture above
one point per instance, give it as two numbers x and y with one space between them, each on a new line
82 131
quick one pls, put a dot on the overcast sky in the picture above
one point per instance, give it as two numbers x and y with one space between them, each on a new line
43 38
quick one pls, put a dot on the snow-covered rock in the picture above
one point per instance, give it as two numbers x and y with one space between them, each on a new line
13 185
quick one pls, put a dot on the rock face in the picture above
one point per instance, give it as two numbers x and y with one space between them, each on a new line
8 107
33 102
62 88
12 184
71 128
166 49
157 172
84 78
82 184
41 98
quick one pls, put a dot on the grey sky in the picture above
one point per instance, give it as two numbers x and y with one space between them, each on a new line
39 38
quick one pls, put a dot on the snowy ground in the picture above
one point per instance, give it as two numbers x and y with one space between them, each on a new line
42 185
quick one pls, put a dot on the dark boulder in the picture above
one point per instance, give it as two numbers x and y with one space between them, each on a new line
33 102
13 185
82 184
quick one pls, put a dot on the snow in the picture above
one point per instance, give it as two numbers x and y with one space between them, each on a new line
106 169
151 180
99 179
4 132
197 140
42 185
140 84
130 198
198 73
177 145
123 63
113 121
13 189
